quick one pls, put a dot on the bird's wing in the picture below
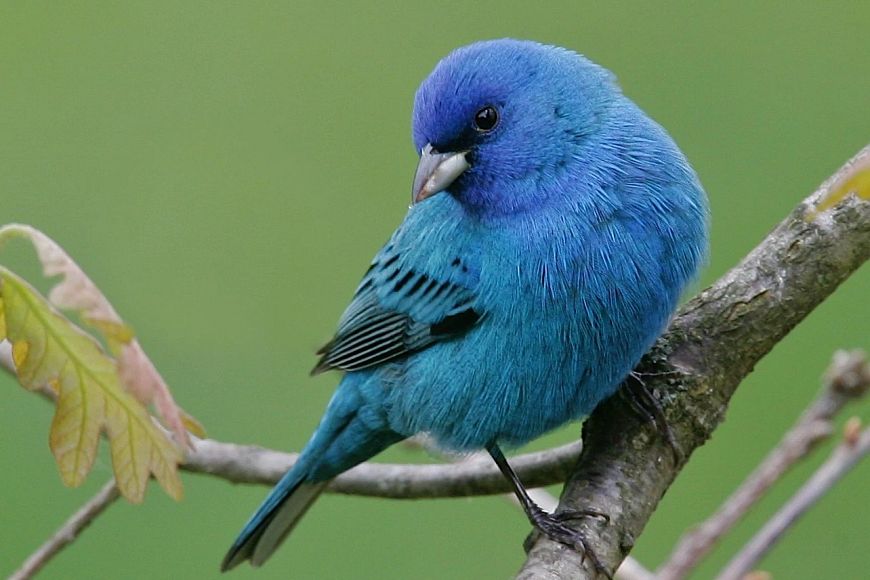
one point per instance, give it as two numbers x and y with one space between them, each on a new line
399 309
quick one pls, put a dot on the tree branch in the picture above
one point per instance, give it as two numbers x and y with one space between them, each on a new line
841 461
846 380
68 532
475 476
694 369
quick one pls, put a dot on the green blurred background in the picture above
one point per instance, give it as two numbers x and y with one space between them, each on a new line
225 170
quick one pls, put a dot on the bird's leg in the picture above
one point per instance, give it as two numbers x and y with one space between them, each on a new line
648 408
551 525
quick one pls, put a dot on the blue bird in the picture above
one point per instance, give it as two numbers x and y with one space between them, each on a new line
553 228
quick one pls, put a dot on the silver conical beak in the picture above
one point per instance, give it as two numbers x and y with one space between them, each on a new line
436 171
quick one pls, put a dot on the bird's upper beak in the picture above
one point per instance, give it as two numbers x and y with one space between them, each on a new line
436 171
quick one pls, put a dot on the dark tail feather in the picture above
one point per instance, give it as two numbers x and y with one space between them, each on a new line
346 436
273 521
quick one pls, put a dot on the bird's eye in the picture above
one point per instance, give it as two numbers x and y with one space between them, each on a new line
486 119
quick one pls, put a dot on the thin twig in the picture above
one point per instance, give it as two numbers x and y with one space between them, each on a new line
631 569
814 426
474 476
68 532
840 462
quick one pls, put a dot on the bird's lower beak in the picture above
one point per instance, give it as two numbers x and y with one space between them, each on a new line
436 171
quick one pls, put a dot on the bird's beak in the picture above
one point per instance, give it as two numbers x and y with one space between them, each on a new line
436 171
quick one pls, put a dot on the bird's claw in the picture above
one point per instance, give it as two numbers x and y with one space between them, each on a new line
553 526
649 409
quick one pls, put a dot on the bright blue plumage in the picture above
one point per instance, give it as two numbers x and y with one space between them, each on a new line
554 229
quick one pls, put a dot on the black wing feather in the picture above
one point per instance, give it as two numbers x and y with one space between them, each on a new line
397 311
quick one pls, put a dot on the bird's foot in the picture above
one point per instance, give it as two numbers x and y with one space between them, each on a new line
648 408
553 526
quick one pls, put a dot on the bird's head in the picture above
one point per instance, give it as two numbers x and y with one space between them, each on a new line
498 122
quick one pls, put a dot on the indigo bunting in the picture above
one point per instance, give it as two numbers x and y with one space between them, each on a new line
552 229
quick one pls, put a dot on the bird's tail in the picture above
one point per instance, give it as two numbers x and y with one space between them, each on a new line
353 429
274 520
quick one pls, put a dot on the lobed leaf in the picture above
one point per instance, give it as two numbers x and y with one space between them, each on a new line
94 392
51 351
76 291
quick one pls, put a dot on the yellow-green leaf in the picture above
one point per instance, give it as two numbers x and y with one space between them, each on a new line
2 320
76 291
192 425
50 351
117 333
854 179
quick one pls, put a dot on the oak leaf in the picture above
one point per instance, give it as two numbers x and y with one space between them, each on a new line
95 392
